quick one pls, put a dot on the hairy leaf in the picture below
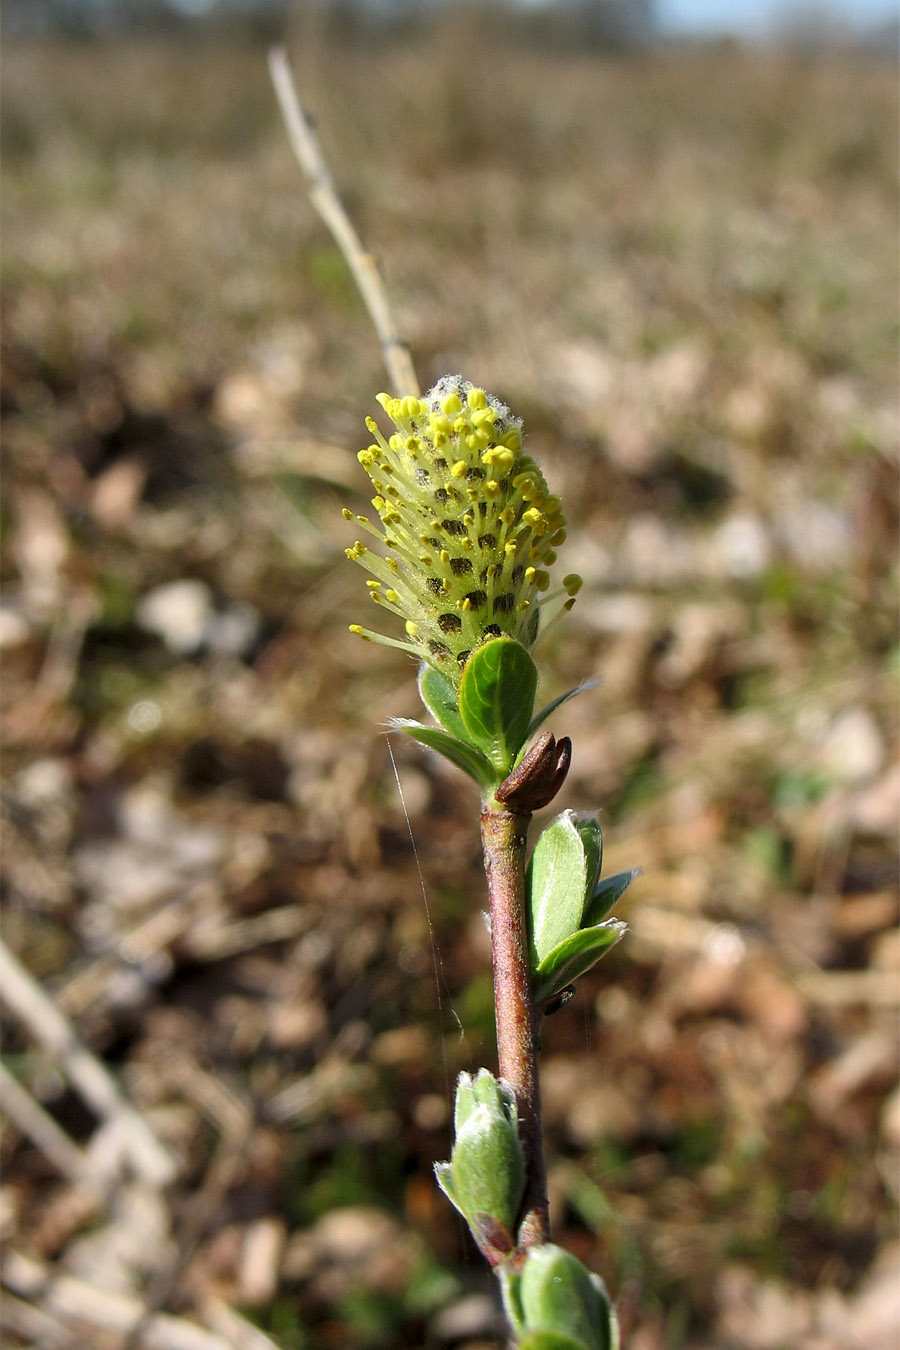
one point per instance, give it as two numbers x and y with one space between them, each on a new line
555 885
606 894
541 717
464 756
574 956
439 697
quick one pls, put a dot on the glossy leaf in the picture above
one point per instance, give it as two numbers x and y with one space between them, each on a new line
555 884
496 700
606 894
464 756
575 955
439 696
555 703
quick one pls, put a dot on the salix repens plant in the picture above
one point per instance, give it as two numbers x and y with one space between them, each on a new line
466 533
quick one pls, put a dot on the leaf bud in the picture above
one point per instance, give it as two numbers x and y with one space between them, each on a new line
539 775
485 1177
554 1294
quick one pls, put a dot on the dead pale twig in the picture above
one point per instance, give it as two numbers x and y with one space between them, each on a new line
324 197
151 1161
52 1142
34 1325
72 1300
233 1117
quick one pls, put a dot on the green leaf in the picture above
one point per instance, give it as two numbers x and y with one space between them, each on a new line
511 1290
551 707
560 1296
464 756
496 699
555 884
574 956
439 696
550 1340
443 1173
606 895
592 839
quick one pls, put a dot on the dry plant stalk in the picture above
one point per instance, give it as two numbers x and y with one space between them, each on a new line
466 534
327 202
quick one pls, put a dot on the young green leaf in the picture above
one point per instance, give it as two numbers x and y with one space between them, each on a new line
572 957
555 884
439 697
541 717
550 1340
559 1294
496 699
592 839
464 756
606 894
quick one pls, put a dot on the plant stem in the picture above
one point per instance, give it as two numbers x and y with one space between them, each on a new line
503 836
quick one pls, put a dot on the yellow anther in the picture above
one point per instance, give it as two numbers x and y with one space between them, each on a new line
484 417
512 438
409 407
460 425
441 426
348 515
533 517
411 628
357 629
394 597
530 573
476 398
445 557
451 405
491 489
508 515
396 442
373 585
458 469
498 456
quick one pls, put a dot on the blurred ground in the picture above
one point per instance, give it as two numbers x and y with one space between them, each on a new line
206 863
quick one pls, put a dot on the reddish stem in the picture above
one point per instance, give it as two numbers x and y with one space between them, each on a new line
503 836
